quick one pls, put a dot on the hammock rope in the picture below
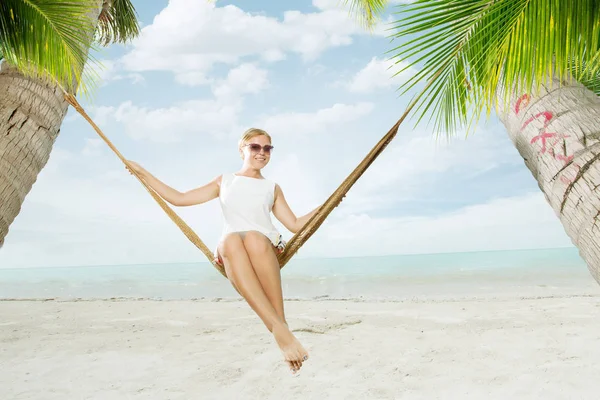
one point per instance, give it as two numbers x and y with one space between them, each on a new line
300 237
187 231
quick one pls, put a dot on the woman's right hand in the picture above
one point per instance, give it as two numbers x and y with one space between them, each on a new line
135 166
166 192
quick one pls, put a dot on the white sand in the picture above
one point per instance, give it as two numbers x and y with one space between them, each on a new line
480 349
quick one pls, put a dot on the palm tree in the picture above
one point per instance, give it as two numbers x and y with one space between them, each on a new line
537 63
44 48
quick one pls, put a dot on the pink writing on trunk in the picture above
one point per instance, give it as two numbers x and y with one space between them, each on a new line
547 140
523 101
547 115
544 136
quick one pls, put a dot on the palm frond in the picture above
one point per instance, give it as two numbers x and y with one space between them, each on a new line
117 22
367 11
475 47
588 76
593 83
48 39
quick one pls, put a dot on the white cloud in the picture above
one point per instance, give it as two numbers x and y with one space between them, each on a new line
327 4
401 170
297 123
379 74
192 78
58 157
220 117
188 37
102 72
520 222
93 146
100 114
244 79
173 124
217 117
337 4
102 69
133 77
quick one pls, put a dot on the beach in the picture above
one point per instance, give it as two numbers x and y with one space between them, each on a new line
441 258
479 348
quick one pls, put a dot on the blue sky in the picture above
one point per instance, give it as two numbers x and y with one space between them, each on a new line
177 99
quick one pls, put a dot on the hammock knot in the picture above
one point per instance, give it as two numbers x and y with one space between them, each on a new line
69 98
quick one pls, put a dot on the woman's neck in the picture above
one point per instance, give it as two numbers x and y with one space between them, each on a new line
250 172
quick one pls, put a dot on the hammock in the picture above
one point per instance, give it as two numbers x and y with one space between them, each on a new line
294 244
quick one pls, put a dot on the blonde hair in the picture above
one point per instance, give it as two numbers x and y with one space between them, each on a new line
250 133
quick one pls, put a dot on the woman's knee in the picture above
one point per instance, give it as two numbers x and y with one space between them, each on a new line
256 242
231 243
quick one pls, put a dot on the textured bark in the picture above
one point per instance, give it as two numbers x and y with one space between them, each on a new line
31 114
557 133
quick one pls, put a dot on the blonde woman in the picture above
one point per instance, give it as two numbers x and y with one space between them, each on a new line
250 242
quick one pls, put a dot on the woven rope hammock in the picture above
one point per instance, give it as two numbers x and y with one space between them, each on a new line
294 244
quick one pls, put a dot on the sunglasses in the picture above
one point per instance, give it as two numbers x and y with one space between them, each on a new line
255 147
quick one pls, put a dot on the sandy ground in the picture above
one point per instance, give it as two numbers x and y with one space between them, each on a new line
542 348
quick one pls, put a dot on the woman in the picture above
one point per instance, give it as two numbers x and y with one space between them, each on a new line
250 242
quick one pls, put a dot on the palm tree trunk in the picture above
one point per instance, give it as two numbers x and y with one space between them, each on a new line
31 113
557 132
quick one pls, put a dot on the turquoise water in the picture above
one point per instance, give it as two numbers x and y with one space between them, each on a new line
523 272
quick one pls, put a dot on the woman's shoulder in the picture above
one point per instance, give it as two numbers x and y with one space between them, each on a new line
276 189
272 183
225 176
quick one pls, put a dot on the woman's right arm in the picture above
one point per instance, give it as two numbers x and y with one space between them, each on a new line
199 195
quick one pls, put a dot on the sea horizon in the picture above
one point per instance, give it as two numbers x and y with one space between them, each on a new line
299 257
521 272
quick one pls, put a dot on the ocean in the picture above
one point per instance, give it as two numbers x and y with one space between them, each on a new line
547 272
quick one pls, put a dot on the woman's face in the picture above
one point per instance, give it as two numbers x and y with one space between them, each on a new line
257 151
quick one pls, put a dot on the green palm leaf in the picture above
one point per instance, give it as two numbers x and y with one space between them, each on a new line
51 39
475 47
117 22
367 11
47 38
589 77
592 83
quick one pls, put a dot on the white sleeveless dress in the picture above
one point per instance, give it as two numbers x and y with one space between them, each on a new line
247 204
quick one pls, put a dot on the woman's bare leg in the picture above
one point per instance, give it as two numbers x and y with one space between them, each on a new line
243 277
266 266
265 263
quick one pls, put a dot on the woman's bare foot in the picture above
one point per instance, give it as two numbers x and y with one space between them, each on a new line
292 364
293 352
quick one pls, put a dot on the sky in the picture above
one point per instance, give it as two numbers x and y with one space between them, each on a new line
177 98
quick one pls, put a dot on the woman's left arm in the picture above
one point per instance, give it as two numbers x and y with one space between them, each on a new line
284 214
